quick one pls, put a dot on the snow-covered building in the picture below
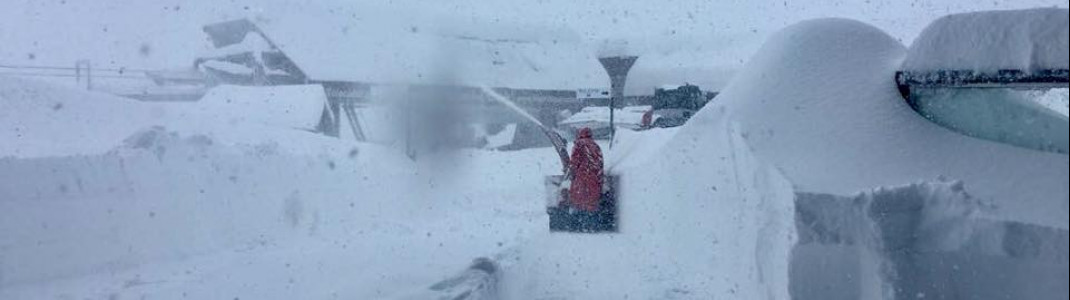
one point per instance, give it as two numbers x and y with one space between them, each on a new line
353 55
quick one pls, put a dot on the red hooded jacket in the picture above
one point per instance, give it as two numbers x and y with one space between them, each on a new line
586 167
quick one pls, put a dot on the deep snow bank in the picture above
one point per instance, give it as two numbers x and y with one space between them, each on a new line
158 197
1033 39
819 102
833 124
183 205
38 119
923 239
42 120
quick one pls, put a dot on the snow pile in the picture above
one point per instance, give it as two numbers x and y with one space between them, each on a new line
202 208
1028 40
835 125
836 112
38 120
634 148
46 120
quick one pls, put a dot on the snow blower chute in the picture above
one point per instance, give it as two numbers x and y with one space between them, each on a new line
563 219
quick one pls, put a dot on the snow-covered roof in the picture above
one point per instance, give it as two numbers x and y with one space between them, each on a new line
1027 40
385 48
251 42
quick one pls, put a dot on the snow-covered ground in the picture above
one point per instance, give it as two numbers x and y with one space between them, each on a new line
225 207
765 189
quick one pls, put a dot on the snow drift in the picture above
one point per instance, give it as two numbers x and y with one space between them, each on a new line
164 202
836 125
44 120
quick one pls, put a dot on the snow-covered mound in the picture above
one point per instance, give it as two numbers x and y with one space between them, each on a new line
42 120
38 119
1027 40
634 148
835 124
166 203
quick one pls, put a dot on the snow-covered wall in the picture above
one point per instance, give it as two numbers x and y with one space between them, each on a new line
160 197
921 240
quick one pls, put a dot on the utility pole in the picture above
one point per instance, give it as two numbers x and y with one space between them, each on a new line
617 67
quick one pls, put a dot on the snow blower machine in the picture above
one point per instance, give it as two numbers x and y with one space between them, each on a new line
562 218
565 219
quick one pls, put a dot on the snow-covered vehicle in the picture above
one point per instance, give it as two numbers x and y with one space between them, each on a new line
674 105
995 82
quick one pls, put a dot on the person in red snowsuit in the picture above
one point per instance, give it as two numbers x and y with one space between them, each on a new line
585 167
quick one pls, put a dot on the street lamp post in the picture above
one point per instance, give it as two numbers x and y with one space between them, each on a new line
617 67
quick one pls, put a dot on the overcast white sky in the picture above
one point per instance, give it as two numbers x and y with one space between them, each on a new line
680 40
